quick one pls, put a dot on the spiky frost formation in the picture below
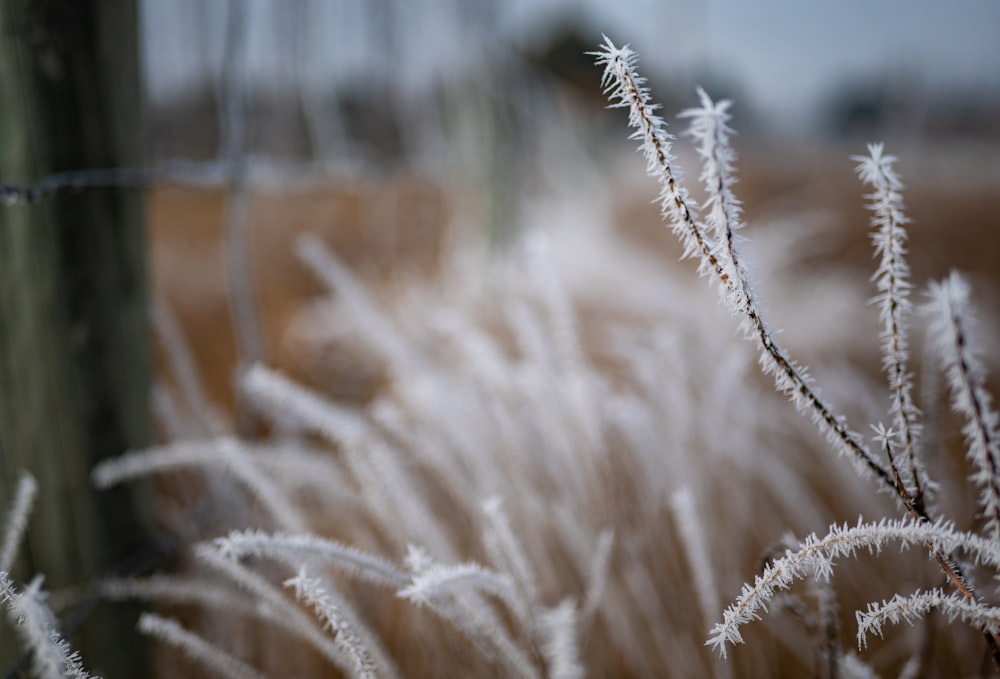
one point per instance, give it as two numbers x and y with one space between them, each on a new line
815 556
915 606
710 129
435 579
626 89
950 321
311 592
453 594
51 656
719 255
892 279
264 603
276 606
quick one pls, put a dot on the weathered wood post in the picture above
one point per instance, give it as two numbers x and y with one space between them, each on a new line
74 358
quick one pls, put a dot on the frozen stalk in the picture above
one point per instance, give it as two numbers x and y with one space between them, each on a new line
815 557
950 333
892 279
714 243
626 89
311 592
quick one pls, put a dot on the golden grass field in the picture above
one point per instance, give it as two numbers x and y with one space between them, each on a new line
394 229
394 233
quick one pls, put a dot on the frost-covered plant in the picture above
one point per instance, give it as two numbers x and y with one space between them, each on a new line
949 309
541 487
713 243
27 609
502 496
711 240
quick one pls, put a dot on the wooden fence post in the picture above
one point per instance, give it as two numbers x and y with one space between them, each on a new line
74 357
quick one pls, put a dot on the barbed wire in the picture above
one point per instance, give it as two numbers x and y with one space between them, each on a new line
258 170
207 174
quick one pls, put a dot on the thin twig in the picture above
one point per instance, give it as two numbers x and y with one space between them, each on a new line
623 84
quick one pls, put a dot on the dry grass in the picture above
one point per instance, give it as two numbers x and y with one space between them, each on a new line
388 232
392 236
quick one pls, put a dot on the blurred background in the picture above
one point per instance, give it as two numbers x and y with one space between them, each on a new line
406 133
399 131
384 125
368 80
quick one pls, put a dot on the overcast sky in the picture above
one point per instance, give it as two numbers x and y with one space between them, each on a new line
784 55
787 54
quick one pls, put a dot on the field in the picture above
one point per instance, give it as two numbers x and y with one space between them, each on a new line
395 229
517 417
618 268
